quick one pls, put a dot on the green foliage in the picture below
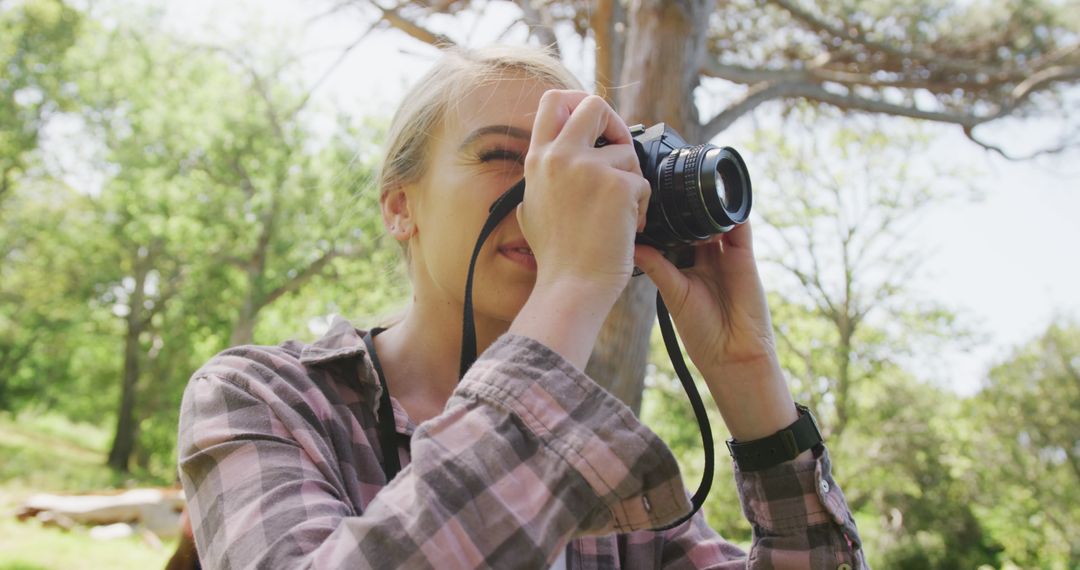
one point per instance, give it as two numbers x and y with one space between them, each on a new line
217 210
1028 416
34 37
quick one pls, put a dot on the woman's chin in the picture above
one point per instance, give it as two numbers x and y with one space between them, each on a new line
505 304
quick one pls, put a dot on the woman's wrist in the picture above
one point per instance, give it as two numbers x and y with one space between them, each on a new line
565 315
753 398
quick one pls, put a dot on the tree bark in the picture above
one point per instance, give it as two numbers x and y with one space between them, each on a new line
665 45
609 32
126 427
244 330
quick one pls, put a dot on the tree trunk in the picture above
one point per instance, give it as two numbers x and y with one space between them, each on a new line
666 42
244 330
126 427
622 349
608 26
664 50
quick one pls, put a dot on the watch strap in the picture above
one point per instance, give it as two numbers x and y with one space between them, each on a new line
779 447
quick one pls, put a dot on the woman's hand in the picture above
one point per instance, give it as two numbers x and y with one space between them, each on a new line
582 208
582 204
720 311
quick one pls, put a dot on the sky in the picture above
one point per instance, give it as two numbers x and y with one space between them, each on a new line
1008 263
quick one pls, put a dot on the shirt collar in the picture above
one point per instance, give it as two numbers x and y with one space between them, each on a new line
342 340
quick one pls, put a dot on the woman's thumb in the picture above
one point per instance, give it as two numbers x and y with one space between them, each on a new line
668 279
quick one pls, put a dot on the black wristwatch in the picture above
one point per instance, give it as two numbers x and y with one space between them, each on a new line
779 447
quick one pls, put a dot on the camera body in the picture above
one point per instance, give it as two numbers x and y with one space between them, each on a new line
698 191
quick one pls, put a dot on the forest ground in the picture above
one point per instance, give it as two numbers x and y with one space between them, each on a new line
49 454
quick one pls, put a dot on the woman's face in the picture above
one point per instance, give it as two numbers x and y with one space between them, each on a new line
474 156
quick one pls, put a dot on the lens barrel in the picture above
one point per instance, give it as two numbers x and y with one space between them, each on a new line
703 190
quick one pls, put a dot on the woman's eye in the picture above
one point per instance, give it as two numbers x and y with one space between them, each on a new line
501 154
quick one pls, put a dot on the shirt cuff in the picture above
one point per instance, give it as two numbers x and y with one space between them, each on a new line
789 497
630 470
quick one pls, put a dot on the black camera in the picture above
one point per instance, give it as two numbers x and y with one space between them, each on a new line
698 191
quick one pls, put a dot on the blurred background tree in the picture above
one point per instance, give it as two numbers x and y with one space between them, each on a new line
33 41
1029 416
216 198
854 335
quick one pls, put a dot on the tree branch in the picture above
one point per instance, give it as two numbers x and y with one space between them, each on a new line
819 73
313 269
334 9
852 33
755 96
257 82
1063 146
330 70
761 93
5 183
245 179
413 29
540 25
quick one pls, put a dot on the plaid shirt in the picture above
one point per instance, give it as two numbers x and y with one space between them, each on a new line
280 461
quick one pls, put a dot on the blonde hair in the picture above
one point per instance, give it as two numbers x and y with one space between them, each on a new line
460 70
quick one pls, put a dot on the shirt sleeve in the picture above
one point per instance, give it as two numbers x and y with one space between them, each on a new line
799 518
528 454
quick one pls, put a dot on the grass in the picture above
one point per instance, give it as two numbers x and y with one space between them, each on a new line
46 453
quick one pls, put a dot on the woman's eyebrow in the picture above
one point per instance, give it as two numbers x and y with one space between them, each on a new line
496 130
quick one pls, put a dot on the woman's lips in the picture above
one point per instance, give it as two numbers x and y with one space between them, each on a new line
521 255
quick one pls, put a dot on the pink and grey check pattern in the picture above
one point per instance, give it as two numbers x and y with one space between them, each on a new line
280 461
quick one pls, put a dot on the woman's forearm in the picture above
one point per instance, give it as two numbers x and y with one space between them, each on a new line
566 316
753 398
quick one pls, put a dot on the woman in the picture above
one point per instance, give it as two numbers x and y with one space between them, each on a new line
524 463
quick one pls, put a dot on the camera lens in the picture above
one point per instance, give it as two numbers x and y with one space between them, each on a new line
725 187
704 190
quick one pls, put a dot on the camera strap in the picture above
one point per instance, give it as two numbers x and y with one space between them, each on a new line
502 207
386 427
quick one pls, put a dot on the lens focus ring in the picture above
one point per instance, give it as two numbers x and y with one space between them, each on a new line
669 199
699 217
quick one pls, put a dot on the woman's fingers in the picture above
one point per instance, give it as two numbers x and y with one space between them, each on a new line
740 236
582 203
577 119
641 191
555 109
594 118
621 156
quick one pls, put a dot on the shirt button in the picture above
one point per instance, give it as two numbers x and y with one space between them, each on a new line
825 489
844 567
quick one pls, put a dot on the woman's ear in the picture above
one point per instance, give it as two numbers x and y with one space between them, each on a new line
397 213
